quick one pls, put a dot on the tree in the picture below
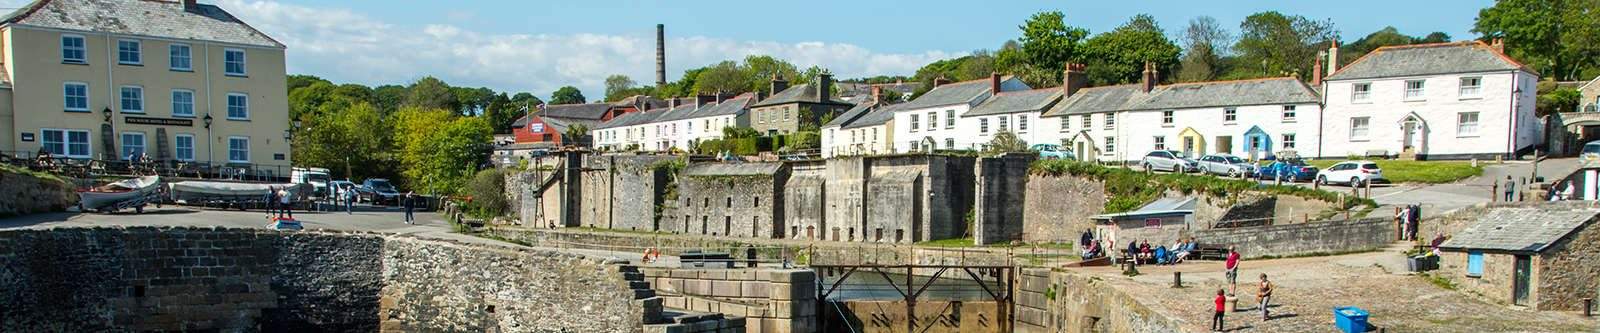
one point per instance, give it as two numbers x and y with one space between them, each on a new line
388 98
726 76
1388 36
439 152
760 69
1119 56
488 191
577 134
501 112
1272 44
1555 37
617 85
471 101
430 93
567 95
298 81
1004 142
1204 43
346 137
1047 43
1553 98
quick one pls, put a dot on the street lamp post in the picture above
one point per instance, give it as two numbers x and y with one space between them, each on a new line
209 157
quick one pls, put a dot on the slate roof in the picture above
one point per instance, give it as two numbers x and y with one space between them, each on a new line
1036 100
732 106
850 115
951 93
141 17
646 116
520 122
733 169
1428 59
806 93
1284 90
876 117
1162 206
594 111
1521 229
561 124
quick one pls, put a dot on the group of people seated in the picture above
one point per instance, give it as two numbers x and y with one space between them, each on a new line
1143 254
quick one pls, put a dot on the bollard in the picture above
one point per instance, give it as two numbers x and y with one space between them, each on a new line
1588 307
1177 280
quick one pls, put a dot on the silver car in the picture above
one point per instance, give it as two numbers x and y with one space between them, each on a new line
1167 160
1225 164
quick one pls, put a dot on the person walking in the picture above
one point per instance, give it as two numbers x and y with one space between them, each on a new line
349 201
1511 188
1264 296
287 204
1216 317
411 205
272 202
1231 266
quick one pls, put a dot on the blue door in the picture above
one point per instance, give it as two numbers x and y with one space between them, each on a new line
1257 144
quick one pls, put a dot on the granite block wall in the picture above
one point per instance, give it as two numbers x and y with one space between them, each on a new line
1057 209
1001 194
1303 238
770 300
1061 301
1569 272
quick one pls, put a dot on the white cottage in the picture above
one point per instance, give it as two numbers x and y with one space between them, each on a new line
1431 101
866 129
930 121
683 125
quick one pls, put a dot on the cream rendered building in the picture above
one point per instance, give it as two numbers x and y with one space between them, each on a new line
179 81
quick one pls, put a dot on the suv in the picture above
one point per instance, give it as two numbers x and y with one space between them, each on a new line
1167 160
1353 173
379 191
1053 152
1224 164
1292 170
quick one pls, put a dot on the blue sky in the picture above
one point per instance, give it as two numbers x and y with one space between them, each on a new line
539 46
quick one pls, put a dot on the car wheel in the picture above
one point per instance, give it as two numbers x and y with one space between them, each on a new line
1147 167
1233 173
1321 180
1355 182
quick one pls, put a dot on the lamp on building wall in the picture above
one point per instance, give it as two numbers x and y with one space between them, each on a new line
107 113
207 120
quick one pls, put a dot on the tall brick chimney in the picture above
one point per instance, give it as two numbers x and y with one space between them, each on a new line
939 81
825 87
1316 70
994 83
661 55
1073 79
778 84
1499 45
877 95
1148 80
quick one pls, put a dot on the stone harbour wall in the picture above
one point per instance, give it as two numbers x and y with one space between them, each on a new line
770 300
23 194
1323 237
932 317
1002 188
1060 301
221 279
1057 208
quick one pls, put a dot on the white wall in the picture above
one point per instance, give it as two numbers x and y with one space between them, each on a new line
1035 132
1440 108
1140 129
906 138
867 140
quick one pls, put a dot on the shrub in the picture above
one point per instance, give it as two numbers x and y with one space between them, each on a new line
1128 189
488 191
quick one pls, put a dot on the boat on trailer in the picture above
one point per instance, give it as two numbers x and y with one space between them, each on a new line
132 193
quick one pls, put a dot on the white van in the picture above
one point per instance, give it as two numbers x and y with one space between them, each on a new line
317 177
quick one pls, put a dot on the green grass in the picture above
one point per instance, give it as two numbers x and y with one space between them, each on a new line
1439 281
952 242
1424 172
7 168
1129 189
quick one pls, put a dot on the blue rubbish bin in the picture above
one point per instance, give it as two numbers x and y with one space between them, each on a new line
1350 319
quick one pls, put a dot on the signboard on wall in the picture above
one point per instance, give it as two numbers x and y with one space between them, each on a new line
27 137
1152 223
159 121
536 128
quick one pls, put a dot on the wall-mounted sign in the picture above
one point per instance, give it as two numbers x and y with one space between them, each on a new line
536 128
1152 223
158 121
27 137
278 157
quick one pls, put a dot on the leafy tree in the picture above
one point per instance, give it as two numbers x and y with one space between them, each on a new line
525 101
309 98
1047 43
488 191
388 98
759 70
1004 142
439 152
1555 37
430 93
1273 44
567 95
345 140
354 92
471 101
1119 56
501 112
1388 36
1204 42
616 85
577 134
726 76
1553 98
298 81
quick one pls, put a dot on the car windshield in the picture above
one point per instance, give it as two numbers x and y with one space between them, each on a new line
1370 166
382 185
317 178
1591 148
1233 159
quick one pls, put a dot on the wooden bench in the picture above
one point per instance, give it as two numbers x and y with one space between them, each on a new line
1208 253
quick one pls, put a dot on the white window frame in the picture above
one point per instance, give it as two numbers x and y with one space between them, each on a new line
1167 117
915 122
1066 124
1363 132
1420 93
231 149
178 148
82 49
1111 146
983 126
137 53
124 153
1472 91
1360 95
187 56
243 62
178 105
933 120
1087 121
949 118
1230 115
245 108
950 143
1288 141
1111 121
66 142
1465 129
123 99
1290 113
1160 142
1004 122
1022 123
85 98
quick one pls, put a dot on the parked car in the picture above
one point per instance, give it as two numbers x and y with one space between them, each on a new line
1590 153
1225 164
338 188
1290 170
1168 160
1053 152
1353 173
379 191
317 177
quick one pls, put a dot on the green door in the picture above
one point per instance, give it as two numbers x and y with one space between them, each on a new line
1519 288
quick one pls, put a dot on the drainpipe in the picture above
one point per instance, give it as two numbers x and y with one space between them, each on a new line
111 92
1322 111
210 158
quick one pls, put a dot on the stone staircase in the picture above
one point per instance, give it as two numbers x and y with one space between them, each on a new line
660 319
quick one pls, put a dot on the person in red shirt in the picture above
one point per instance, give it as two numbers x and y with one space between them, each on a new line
1216 319
1232 266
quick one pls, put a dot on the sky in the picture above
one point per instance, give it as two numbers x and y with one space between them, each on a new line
540 45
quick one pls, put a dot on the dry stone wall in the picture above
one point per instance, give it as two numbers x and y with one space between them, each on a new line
1057 208
1323 237
1569 271
23 194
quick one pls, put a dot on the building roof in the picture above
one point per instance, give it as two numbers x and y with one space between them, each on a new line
1160 207
1521 229
733 169
952 93
875 117
153 18
560 125
1428 59
804 93
1283 90
594 111
1036 100
850 115
640 101
520 122
732 106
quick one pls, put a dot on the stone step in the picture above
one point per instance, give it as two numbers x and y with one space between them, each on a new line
643 293
628 269
633 276
638 285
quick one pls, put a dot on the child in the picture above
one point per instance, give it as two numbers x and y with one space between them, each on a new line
1216 320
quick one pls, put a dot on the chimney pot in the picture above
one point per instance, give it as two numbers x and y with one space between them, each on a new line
1073 79
1149 79
1499 45
994 83
939 81
1316 70
877 94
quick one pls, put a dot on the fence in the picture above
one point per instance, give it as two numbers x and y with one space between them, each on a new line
89 167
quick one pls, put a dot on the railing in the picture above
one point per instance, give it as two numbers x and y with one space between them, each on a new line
90 167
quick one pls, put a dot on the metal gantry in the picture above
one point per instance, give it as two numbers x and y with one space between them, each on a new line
1003 276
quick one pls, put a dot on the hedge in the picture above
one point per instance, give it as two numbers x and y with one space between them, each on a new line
1129 189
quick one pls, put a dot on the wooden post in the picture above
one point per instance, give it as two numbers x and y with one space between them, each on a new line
1177 279
1494 191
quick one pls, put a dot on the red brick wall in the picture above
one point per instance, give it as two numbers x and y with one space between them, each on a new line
527 134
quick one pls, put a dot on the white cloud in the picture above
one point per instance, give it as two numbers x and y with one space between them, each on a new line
346 46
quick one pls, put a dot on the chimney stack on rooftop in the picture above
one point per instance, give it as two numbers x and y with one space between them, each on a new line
1316 70
824 87
700 100
1150 77
661 55
1499 45
939 81
190 5
994 83
877 94
1073 79
1333 57
778 84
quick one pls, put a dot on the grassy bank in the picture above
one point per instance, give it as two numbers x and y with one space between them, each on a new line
1129 189
1422 172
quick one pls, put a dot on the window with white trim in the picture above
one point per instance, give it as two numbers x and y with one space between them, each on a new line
1166 117
933 120
1288 141
950 143
73 49
128 52
1471 86
132 145
1230 115
1111 145
983 125
233 62
950 119
1161 142
1467 124
1005 125
1414 90
1359 126
1065 125
238 106
65 143
1360 92
238 149
132 99
1086 122
1111 121
182 103
178 57
75 96
183 147
914 122
1022 123
1288 113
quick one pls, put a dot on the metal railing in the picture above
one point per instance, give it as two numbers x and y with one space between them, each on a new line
92 167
